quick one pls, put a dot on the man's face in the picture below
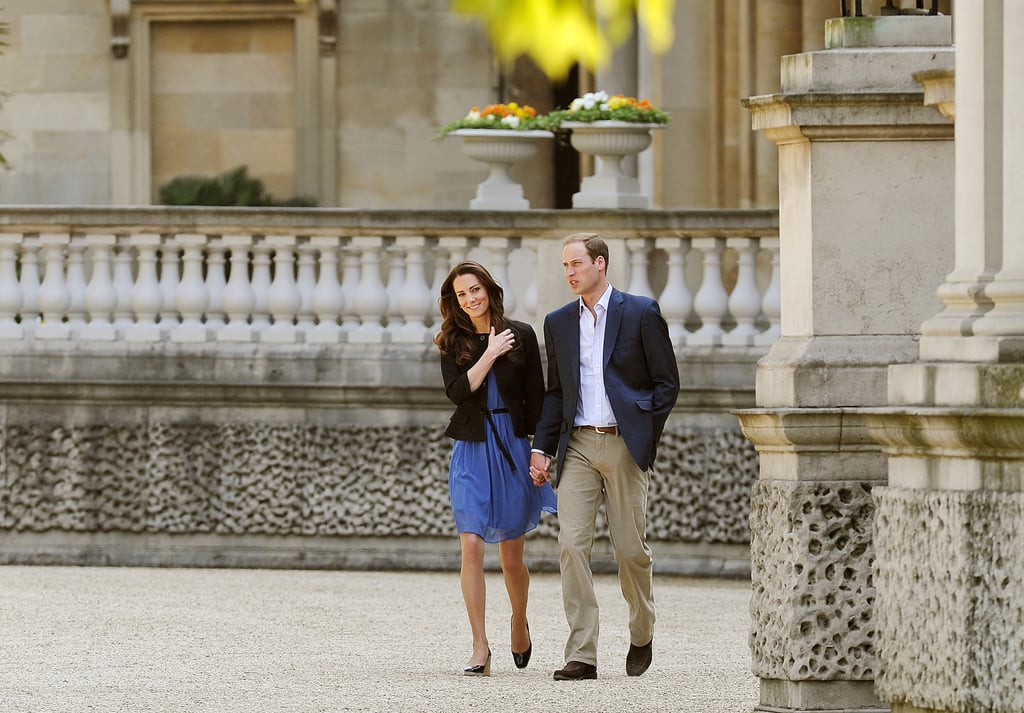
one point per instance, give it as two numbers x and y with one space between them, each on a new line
583 273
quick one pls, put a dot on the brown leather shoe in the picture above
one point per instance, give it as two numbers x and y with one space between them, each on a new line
576 671
638 659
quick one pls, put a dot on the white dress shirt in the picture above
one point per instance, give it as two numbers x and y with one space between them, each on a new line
593 407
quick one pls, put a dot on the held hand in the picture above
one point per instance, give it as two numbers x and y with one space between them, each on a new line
502 343
540 469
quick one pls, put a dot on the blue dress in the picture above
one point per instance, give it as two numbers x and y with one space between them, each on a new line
489 498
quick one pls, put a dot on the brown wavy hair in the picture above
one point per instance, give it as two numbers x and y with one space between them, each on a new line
458 335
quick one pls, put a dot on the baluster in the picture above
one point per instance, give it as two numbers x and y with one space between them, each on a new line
238 294
123 284
396 275
530 295
10 290
676 301
100 295
639 284
54 296
75 281
771 303
745 300
499 248
441 270
414 299
147 297
350 288
371 298
29 283
191 296
456 247
283 298
215 284
170 268
260 287
306 283
711 302
327 299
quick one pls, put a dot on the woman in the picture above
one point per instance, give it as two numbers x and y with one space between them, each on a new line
492 372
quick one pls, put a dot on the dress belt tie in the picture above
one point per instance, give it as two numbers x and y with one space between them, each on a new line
497 439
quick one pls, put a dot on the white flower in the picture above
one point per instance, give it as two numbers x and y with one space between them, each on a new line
473 115
511 121
589 101
592 99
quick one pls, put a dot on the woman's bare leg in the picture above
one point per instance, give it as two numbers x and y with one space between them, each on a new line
517 583
474 592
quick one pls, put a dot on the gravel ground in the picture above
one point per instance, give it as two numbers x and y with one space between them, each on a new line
207 640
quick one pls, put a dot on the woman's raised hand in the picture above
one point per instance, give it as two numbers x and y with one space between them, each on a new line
501 343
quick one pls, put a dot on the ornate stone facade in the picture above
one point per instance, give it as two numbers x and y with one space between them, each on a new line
811 564
950 574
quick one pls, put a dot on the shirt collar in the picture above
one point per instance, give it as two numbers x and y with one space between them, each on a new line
602 303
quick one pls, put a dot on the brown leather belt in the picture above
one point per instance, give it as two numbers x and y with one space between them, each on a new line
603 430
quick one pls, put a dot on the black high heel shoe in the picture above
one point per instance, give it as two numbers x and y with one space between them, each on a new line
483 669
522 660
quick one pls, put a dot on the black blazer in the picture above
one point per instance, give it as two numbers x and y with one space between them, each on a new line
641 376
520 383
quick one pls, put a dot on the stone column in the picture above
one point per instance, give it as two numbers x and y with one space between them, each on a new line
949 537
865 199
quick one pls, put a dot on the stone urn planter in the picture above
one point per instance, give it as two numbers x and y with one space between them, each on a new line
610 142
500 149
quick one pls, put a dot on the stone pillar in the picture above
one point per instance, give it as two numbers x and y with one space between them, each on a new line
949 537
865 197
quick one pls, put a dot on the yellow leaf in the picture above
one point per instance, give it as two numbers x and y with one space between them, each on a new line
557 34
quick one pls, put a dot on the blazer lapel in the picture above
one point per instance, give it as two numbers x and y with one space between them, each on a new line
613 321
572 330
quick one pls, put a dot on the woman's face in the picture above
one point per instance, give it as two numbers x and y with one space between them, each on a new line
473 300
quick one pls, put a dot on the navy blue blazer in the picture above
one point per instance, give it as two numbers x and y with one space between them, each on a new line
520 383
641 375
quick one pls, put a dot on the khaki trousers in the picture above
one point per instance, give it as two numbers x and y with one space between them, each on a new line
598 467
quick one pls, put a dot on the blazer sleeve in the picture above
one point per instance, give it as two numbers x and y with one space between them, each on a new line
456 379
661 365
550 425
533 388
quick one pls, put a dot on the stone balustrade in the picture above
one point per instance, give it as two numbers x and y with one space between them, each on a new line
258 388
376 283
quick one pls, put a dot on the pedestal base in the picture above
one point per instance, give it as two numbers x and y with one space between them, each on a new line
492 202
819 697
593 199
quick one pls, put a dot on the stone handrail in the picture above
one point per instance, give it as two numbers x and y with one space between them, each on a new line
323 276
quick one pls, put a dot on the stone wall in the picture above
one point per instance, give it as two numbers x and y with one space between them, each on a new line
299 457
950 574
812 581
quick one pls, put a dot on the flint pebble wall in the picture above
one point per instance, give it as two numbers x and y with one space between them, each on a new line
168 471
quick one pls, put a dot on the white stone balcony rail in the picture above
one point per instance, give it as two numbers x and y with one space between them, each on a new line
336 276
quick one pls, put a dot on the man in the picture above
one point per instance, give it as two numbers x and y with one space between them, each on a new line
612 381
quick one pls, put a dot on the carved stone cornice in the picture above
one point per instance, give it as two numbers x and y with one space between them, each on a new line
121 11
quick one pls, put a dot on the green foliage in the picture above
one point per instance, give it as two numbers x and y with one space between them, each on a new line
231 188
508 117
630 114
600 106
